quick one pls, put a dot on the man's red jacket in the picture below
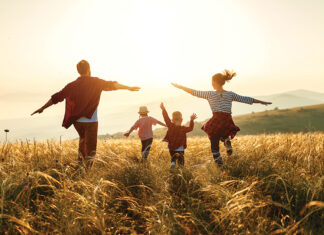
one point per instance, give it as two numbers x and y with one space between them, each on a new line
82 97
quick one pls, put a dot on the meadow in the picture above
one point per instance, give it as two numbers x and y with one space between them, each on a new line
272 184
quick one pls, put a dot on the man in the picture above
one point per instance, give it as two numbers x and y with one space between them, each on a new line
82 98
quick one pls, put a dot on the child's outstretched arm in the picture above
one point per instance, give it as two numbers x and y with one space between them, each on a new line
134 127
186 89
191 125
165 115
161 123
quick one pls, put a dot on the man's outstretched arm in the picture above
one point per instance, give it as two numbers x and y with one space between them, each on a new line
124 87
40 110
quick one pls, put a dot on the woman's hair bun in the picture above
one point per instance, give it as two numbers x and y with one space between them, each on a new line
228 75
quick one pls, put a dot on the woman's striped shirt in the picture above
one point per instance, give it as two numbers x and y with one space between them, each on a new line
222 101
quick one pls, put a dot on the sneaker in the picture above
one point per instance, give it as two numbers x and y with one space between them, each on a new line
218 159
228 146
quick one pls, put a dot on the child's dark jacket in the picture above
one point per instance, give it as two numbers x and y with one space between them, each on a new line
176 135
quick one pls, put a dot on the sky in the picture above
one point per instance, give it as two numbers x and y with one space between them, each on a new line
274 46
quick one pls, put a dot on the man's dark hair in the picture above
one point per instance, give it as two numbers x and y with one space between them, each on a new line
83 67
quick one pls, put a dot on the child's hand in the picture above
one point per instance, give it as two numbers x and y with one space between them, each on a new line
162 106
266 103
193 116
134 88
126 134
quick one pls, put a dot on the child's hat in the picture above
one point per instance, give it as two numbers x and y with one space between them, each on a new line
143 110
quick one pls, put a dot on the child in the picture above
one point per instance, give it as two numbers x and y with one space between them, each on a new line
176 135
145 133
221 125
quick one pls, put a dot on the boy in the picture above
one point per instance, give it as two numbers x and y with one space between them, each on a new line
176 135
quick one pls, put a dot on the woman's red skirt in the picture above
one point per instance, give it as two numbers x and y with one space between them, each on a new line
221 125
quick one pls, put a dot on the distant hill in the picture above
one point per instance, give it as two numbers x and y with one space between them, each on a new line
301 119
118 110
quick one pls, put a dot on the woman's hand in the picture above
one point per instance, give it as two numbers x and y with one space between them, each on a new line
193 116
134 88
266 103
186 89
177 85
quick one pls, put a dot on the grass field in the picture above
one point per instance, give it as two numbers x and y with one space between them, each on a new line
271 184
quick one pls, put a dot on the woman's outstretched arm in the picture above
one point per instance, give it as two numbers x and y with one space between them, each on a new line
256 101
186 89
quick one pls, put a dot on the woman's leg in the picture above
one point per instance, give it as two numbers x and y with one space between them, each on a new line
214 144
228 146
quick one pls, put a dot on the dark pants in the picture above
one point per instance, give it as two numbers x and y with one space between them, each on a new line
88 139
177 156
214 144
146 146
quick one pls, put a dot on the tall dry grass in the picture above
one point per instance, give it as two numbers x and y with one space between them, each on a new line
271 184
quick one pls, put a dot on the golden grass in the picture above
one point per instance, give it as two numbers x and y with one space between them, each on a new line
271 184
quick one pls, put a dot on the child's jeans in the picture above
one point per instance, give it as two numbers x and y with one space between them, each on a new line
146 146
177 156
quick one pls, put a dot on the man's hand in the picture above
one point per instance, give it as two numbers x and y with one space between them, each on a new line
266 103
126 134
162 106
193 116
134 88
38 111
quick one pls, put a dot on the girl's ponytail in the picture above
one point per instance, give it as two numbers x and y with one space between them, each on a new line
228 75
221 78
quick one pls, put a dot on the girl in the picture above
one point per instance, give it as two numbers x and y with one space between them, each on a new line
221 126
145 133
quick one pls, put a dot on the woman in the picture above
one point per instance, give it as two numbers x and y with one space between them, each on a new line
221 125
